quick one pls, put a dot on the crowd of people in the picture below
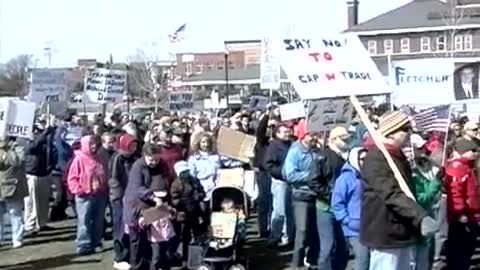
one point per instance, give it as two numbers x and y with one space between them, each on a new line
326 195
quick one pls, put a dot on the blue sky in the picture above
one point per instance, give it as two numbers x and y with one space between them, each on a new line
95 28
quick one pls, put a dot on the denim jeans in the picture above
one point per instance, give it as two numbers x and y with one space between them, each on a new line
305 233
160 256
462 238
121 242
14 210
442 234
90 214
390 259
264 202
362 253
333 249
422 255
282 220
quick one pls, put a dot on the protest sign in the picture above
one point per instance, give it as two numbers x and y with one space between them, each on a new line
258 103
105 85
19 118
335 65
269 66
180 101
292 110
235 144
325 114
48 85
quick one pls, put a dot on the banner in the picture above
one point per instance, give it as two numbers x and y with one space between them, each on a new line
105 85
180 101
435 81
48 85
333 65
269 66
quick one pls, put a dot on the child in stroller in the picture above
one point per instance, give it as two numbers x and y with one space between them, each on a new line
227 230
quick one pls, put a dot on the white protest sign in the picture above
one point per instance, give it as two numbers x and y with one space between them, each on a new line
180 101
269 66
105 85
325 114
332 65
258 102
16 118
292 110
48 85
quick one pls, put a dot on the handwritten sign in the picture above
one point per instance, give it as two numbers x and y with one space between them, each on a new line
325 114
16 118
292 110
48 85
258 102
334 65
105 85
180 101
269 66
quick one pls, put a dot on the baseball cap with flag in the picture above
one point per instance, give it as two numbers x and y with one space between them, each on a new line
392 121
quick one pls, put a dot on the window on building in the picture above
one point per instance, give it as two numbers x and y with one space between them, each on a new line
231 65
220 65
425 44
405 45
441 43
199 68
467 42
188 68
458 43
388 46
209 66
372 46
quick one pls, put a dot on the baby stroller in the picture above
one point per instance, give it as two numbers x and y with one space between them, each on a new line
220 251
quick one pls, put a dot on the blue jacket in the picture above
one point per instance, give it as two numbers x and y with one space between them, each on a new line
346 200
301 170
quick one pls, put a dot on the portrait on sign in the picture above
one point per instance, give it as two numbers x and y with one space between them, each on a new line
466 81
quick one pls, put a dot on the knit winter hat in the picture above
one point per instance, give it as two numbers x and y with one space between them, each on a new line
180 166
391 122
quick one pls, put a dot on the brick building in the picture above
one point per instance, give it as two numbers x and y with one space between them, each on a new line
189 64
421 29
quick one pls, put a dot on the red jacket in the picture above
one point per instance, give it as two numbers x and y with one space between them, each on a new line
463 195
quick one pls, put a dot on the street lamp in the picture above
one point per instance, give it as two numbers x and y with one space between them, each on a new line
226 76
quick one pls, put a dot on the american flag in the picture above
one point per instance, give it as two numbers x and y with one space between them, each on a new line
433 119
178 34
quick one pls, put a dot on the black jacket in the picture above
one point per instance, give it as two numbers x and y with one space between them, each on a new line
275 157
39 154
262 143
389 219
331 165
119 167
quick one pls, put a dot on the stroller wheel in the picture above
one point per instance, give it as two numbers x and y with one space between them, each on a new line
205 267
237 267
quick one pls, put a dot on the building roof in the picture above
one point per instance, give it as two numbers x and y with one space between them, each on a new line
417 14
251 74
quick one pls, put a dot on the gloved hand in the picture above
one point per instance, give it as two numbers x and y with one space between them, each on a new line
428 226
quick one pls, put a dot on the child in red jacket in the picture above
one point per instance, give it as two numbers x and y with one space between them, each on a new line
463 205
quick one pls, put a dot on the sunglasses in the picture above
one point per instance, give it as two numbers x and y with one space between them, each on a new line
406 129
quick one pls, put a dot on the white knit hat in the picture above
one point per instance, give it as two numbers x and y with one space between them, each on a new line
180 166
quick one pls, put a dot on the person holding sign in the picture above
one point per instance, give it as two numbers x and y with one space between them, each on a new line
391 222
87 180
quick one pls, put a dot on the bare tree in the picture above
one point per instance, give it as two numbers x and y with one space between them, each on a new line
147 78
14 76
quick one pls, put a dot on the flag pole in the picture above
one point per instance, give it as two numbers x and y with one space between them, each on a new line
446 135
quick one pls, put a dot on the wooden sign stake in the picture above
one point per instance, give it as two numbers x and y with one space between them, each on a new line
378 139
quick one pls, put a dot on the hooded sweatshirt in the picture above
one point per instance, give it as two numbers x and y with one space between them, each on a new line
87 175
119 167
347 194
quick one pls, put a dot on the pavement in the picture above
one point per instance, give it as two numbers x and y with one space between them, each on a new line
54 250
